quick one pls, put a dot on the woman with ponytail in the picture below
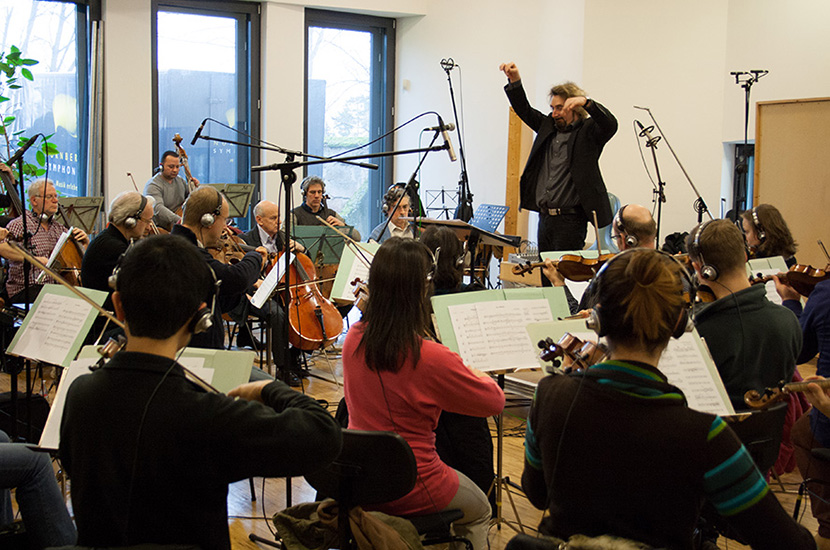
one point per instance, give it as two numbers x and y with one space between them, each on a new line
615 450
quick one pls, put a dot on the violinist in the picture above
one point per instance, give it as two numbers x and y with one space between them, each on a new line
44 233
615 450
813 430
267 233
169 190
396 227
767 233
315 208
753 342
150 453
130 215
205 217
633 226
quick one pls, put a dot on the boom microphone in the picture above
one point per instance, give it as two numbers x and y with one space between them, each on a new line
440 128
22 151
447 142
198 133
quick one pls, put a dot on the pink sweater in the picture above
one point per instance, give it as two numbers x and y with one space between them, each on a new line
416 397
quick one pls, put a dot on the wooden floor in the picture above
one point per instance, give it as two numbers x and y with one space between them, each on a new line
247 517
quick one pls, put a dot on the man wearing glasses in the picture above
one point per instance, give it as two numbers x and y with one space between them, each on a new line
561 179
44 233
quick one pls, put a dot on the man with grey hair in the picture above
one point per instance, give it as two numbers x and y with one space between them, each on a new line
44 233
130 216
561 179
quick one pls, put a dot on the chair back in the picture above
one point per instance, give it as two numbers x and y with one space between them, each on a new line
760 432
606 235
373 467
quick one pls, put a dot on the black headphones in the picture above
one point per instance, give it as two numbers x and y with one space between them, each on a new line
708 272
631 241
684 323
208 218
309 181
202 320
762 235
132 220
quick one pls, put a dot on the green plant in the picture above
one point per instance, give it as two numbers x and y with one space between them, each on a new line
11 64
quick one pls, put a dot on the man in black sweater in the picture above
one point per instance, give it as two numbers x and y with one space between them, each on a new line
151 454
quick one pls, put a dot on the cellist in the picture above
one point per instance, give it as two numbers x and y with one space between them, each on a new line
44 233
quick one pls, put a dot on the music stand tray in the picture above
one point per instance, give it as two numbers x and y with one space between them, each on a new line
238 195
80 211
319 238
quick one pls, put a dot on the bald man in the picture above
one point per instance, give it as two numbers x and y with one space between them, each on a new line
267 232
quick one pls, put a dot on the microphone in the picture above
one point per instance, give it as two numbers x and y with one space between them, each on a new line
447 142
198 133
646 133
440 128
448 64
22 151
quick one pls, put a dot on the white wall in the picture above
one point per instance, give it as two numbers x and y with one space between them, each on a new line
672 56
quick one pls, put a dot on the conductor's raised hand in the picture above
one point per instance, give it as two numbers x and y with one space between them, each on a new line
574 102
511 71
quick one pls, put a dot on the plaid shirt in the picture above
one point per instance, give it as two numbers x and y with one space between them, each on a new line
41 243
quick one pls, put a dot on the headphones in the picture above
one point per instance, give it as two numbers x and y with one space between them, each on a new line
309 181
202 320
684 322
631 241
707 271
208 218
762 235
44 217
132 220
392 195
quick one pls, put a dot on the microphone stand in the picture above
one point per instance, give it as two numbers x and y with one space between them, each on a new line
26 290
699 204
659 193
745 79
464 210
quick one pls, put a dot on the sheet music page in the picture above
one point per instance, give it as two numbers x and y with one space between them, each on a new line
685 365
196 365
267 287
772 295
359 270
52 328
492 335
51 436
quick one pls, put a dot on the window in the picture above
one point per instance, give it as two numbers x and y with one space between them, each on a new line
54 101
349 101
205 69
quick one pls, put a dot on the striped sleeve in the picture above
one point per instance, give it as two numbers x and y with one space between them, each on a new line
533 454
733 484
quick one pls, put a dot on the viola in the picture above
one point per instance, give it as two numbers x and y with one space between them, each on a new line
572 266
191 183
313 321
361 294
770 396
579 355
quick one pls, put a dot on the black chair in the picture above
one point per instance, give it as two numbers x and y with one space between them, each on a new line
373 468
761 432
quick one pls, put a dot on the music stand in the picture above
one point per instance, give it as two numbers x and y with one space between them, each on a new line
238 196
321 240
489 216
80 211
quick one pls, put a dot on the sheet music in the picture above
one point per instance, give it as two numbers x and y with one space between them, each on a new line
196 365
492 335
269 284
52 328
772 295
51 436
684 364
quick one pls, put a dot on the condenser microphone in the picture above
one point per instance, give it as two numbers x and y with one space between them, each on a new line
198 133
449 127
447 142
22 151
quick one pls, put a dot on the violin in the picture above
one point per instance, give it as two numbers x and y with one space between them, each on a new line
191 183
770 396
579 355
313 321
231 247
361 294
572 266
802 278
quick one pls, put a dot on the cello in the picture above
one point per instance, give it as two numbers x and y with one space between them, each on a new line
313 321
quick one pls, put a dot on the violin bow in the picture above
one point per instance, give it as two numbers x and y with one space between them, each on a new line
352 242
152 223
